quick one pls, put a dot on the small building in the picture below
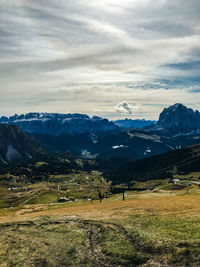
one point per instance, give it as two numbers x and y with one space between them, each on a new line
176 180
62 199
173 181
13 188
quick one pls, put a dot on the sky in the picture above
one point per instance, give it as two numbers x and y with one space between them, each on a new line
110 58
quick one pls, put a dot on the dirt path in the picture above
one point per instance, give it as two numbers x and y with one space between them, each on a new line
92 229
97 257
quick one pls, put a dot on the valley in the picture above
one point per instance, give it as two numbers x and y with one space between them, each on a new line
77 186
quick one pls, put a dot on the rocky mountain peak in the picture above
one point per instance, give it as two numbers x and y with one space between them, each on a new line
178 118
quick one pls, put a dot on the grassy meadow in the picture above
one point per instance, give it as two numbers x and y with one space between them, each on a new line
159 226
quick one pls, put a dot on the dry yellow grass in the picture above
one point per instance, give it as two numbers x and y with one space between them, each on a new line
161 204
159 228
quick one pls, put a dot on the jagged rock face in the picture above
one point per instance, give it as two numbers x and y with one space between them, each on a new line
16 146
57 124
179 119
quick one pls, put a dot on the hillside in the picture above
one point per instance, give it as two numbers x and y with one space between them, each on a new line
159 167
147 229
16 146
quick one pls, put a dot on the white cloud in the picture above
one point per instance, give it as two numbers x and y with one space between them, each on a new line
125 108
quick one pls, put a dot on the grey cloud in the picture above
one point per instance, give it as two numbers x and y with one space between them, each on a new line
125 108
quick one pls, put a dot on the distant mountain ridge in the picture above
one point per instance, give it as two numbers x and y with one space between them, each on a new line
57 124
134 124
175 119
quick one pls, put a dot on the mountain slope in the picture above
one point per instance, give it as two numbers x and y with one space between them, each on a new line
16 146
159 167
123 144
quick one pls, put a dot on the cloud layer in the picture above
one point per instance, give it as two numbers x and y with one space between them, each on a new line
81 56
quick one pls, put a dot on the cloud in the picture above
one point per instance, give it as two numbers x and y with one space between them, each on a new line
88 57
125 108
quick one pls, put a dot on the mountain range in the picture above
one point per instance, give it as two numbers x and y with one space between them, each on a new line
87 137
176 119
57 124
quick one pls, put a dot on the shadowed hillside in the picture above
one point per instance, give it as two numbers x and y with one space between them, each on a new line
159 167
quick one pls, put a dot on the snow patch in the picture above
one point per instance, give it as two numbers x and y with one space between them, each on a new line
147 151
30 119
119 146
